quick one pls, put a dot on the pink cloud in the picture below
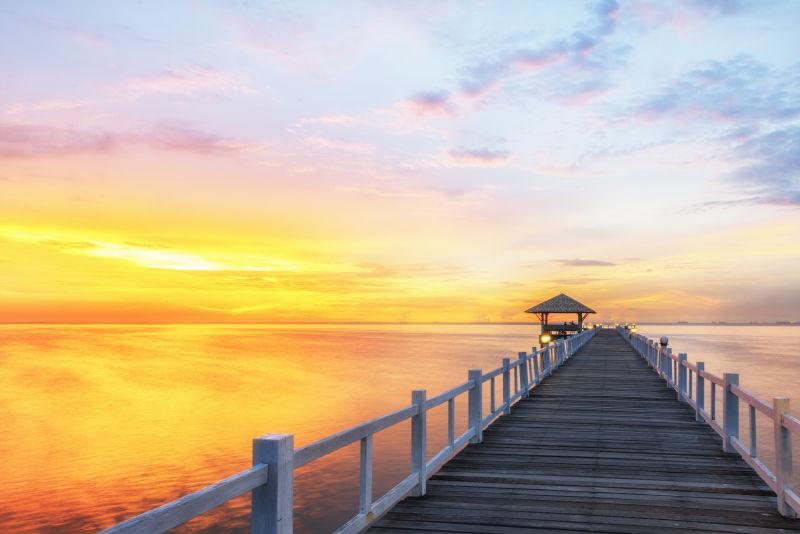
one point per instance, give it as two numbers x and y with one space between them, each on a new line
25 141
185 139
44 106
32 141
184 81
431 103
478 156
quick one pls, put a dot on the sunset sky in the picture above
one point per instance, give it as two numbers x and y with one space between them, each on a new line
398 161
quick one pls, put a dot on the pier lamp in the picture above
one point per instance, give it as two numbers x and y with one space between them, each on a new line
544 339
664 341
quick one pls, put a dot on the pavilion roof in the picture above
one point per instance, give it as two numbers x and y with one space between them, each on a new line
560 304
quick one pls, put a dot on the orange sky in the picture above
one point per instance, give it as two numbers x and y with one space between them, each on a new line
396 171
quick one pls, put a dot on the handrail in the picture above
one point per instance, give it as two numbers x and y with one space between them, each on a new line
711 377
325 446
182 510
791 422
661 360
752 400
275 454
441 398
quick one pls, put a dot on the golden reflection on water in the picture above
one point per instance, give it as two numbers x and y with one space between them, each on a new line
102 422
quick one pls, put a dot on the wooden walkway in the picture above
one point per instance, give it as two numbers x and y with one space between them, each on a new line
600 446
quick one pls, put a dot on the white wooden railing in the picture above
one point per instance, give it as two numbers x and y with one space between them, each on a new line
688 380
275 458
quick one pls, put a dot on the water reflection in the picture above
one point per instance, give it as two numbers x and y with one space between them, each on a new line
103 422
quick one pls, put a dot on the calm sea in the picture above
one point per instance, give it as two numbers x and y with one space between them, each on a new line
101 422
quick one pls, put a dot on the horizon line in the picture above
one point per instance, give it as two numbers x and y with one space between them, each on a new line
517 323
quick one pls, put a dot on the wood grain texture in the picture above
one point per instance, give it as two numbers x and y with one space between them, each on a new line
600 446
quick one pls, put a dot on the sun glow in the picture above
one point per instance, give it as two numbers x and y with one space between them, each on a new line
157 191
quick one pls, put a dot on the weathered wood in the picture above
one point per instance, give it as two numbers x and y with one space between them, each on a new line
700 395
365 476
524 380
506 386
474 406
588 452
271 503
418 442
451 422
730 412
783 455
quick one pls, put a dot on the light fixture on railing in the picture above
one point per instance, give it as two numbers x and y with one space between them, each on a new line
545 339
664 341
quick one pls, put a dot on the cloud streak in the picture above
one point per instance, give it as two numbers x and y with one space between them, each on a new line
478 156
577 262
431 103
576 50
39 140
737 89
182 81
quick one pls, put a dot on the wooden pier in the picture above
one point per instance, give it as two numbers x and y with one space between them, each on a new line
604 431
601 446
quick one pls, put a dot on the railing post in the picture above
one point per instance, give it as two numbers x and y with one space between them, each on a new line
670 378
730 414
535 356
700 395
271 504
451 422
475 400
682 385
506 385
783 455
523 369
418 440
365 476
546 360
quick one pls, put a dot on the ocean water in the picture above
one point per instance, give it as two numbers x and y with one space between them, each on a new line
102 422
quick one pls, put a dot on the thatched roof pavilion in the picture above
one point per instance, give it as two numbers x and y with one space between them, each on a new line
560 304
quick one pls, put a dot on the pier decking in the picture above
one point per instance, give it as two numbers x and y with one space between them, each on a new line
602 445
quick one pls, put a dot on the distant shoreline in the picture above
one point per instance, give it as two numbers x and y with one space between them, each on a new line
365 323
